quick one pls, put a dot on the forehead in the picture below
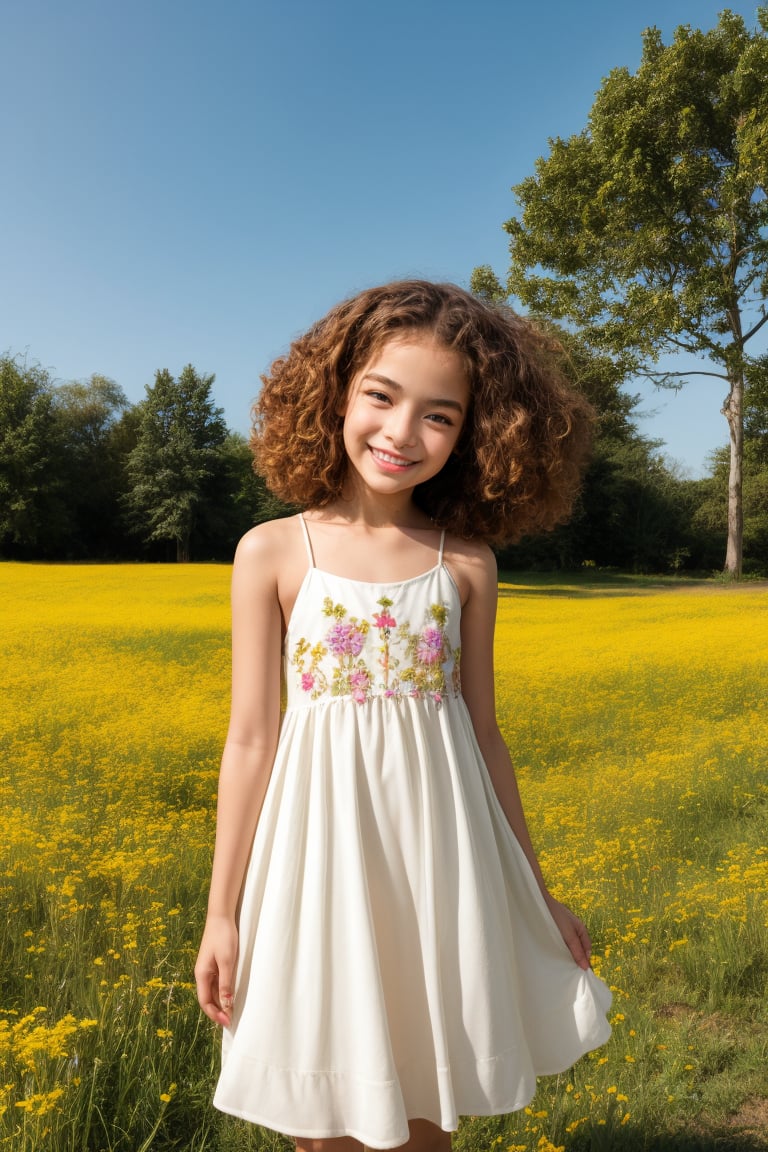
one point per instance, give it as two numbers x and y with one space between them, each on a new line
419 361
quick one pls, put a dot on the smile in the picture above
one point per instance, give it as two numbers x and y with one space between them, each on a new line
393 461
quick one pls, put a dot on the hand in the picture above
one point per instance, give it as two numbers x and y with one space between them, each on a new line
215 969
572 930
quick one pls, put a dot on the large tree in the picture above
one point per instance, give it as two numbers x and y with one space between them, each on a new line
177 459
649 229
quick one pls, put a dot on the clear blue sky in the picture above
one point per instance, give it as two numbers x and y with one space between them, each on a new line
198 182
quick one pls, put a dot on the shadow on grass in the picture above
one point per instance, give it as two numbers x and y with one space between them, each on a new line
631 1138
584 584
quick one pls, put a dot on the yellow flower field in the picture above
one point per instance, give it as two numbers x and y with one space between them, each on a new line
637 720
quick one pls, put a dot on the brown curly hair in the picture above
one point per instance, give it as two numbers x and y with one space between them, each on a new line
521 453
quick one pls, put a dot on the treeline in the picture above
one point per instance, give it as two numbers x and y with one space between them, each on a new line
85 475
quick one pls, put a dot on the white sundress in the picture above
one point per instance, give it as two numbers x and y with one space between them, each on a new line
397 959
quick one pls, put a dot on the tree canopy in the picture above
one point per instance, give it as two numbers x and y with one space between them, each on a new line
177 457
649 229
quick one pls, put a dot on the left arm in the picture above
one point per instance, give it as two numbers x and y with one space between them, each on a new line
478 621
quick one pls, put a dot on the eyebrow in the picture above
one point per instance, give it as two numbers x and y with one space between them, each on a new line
436 403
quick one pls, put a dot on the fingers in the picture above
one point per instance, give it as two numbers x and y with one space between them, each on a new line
215 971
215 995
216 1005
579 944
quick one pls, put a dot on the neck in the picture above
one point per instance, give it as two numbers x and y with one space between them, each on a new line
376 511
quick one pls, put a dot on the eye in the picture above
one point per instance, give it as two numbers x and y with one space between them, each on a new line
380 397
438 418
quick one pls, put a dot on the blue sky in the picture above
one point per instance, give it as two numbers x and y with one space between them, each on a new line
198 182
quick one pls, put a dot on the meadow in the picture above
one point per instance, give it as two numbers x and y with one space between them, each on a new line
636 716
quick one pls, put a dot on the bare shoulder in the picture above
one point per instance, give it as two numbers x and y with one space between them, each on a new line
266 550
472 565
263 543
271 559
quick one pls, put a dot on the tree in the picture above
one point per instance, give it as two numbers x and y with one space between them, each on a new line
177 458
30 503
91 469
649 229
238 499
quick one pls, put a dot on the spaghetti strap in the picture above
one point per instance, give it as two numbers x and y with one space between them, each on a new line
307 541
442 548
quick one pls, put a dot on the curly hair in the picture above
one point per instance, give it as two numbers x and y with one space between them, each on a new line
520 457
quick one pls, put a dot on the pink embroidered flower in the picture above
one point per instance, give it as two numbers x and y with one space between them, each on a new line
384 620
307 681
430 646
345 640
359 682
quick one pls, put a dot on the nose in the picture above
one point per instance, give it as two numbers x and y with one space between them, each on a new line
401 428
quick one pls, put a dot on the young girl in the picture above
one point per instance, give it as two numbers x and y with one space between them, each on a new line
381 948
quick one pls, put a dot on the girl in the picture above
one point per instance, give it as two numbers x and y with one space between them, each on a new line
381 948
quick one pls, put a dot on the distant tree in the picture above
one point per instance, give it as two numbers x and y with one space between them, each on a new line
238 500
649 229
90 468
30 487
177 459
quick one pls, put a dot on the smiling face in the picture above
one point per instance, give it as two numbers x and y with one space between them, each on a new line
404 414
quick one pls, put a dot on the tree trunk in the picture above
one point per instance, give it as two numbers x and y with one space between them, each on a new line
733 410
182 550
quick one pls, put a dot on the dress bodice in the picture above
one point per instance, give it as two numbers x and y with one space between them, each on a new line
354 640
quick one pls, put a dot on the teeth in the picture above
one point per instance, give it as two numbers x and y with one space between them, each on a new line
385 456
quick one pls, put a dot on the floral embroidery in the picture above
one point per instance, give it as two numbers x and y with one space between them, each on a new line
395 662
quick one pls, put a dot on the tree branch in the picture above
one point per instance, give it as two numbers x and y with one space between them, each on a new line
692 372
755 328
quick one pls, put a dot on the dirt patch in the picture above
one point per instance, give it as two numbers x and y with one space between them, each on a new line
752 1117
729 1026
675 1010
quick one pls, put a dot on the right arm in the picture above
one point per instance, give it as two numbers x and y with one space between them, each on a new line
246 763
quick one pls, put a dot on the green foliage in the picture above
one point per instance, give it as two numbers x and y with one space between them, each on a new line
756 408
177 461
711 510
30 503
90 415
237 499
485 283
649 229
86 475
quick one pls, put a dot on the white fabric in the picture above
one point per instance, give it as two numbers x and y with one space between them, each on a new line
396 956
